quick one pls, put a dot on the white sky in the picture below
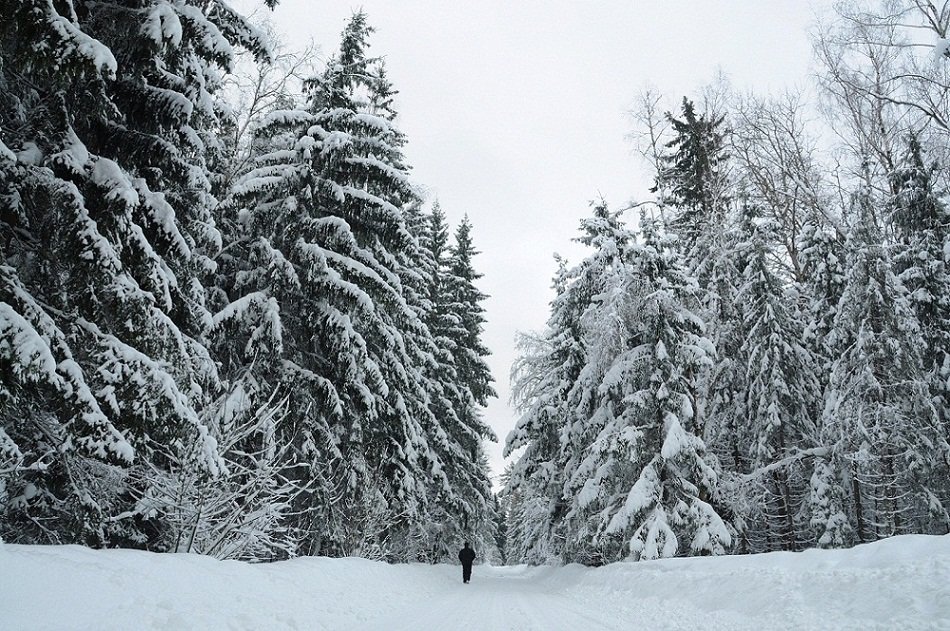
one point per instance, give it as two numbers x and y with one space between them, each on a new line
515 112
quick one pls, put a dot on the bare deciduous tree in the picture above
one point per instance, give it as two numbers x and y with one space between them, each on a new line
779 167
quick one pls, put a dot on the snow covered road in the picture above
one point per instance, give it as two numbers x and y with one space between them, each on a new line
900 583
499 598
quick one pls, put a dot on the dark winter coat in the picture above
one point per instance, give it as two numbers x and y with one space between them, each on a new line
466 556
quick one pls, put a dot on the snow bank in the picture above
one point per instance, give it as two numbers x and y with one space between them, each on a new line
902 583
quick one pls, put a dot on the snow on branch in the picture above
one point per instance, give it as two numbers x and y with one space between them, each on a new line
795 457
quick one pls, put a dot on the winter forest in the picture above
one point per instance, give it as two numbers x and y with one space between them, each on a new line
232 323
757 360
229 323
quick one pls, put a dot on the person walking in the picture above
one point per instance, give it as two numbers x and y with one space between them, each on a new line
466 556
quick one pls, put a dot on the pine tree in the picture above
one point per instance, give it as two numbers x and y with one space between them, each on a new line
586 416
823 263
462 318
473 371
445 325
335 236
613 465
724 386
694 182
460 509
316 221
544 380
922 224
542 377
501 529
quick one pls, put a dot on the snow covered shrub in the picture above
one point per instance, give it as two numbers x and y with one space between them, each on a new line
242 511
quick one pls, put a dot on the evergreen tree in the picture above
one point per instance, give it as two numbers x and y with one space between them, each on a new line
696 199
107 241
646 481
325 231
922 224
608 397
694 173
542 377
585 421
720 417
878 421
462 510
467 299
781 394
544 380
333 233
501 530
823 263
921 221
462 313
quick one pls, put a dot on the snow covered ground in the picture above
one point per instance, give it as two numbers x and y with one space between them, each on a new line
900 583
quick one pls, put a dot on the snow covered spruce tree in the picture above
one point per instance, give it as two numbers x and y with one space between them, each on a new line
823 263
921 222
107 239
325 240
694 187
694 175
780 397
543 378
451 301
464 304
586 419
644 486
636 478
466 301
879 422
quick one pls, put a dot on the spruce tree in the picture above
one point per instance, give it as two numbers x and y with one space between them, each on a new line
650 486
588 418
878 421
824 266
693 173
333 232
460 334
542 378
467 299
921 222
613 465
319 218
782 390
107 242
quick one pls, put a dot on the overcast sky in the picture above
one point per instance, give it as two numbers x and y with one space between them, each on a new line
516 114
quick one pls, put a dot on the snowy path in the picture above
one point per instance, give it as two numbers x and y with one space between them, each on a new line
900 583
498 598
